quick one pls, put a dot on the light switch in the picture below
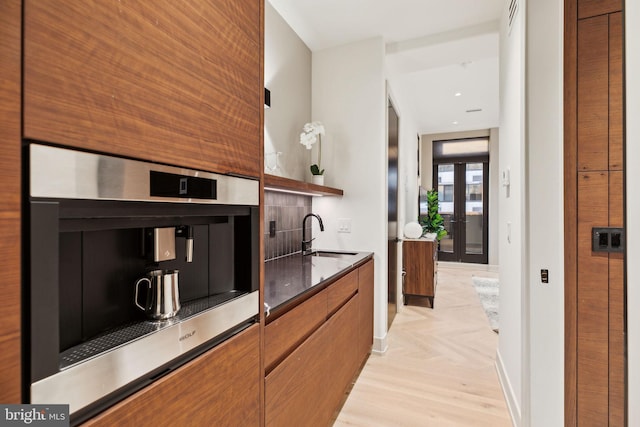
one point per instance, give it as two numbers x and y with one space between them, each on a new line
344 225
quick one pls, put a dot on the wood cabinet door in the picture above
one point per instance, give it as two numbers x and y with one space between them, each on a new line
340 291
418 266
221 388
10 173
296 390
170 82
307 388
343 352
289 330
365 292
594 197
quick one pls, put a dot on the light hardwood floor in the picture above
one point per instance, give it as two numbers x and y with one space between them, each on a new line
439 369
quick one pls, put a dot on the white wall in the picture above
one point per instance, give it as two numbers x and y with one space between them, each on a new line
287 74
632 14
512 212
543 353
349 98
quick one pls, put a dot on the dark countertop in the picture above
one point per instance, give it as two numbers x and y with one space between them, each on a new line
289 278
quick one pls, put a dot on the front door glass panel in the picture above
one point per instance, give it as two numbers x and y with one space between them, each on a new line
474 208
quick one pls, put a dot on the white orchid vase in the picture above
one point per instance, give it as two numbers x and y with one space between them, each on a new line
311 133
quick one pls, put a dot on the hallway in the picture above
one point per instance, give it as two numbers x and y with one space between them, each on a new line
439 369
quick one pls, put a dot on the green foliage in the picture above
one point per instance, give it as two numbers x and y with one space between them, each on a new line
433 221
315 170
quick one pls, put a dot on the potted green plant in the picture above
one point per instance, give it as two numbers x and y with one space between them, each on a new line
432 222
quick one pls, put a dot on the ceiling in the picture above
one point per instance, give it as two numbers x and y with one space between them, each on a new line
435 50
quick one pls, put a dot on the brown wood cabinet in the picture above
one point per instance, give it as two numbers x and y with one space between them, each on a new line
343 352
221 388
289 330
169 82
594 197
340 291
308 386
365 291
419 263
10 89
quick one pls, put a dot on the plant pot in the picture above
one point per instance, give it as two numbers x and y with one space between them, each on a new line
430 236
317 179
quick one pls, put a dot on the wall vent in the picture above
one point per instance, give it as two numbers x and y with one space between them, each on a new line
513 11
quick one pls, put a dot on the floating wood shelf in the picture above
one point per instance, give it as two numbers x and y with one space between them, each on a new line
278 183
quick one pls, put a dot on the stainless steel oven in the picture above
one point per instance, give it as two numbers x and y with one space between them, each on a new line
97 227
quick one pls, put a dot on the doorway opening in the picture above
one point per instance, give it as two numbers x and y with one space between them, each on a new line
461 176
392 214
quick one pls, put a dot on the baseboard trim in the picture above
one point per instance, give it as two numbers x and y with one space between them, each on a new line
380 345
507 390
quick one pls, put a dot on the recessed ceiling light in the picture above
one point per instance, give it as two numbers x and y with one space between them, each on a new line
455 123
458 94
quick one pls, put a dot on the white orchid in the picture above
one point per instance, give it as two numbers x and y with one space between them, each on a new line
311 132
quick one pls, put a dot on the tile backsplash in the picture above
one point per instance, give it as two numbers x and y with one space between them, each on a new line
288 211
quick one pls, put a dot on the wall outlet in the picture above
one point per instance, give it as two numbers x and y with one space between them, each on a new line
344 225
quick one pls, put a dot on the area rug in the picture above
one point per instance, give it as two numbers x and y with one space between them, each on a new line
487 290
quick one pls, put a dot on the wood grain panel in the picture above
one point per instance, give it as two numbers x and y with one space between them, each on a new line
176 82
365 290
616 95
295 390
593 94
343 352
616 308
419 267
589 8
616 199
340 291
262 224
593 294
286 332
218 388
10 161
570 208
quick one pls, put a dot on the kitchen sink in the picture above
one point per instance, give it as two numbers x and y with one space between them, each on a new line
332 254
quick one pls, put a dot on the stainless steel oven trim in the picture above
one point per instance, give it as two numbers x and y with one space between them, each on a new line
87 382
69 174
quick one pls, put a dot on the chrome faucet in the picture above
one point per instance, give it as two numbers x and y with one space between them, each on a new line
306 244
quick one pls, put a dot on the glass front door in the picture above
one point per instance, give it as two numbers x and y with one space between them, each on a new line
462 193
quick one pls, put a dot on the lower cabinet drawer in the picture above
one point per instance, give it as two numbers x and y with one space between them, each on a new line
221 387
287 331
340 291
295 391
309 385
